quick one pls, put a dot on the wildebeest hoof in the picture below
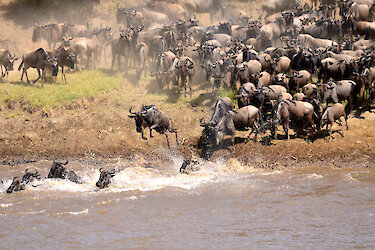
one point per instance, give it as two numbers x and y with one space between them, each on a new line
144 138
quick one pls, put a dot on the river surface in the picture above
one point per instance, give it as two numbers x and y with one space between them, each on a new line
222 206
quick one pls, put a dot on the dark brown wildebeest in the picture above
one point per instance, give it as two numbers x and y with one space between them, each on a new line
64 58
121 48
39 60
6 60
57 171
52 33
153 118
20 184
105 178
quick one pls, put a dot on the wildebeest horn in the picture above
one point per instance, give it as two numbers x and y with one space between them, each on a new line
270 88
100 170
203 123
65 163
130 111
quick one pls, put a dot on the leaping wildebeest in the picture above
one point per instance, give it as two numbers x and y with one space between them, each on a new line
150 116
39 60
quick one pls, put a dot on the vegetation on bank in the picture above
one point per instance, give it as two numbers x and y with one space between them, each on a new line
120 89
51 94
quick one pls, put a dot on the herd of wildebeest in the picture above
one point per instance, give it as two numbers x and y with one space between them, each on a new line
269 61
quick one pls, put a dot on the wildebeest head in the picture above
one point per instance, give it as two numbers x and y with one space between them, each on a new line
57 170
208 138
16 185
9 61
52 63
331 92
29 176
37 33
140 122
105 178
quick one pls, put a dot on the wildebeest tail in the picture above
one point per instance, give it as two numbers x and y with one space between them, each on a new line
19 68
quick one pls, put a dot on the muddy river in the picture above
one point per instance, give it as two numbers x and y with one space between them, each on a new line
224 205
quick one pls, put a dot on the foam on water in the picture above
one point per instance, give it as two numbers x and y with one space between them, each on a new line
147 179
6 205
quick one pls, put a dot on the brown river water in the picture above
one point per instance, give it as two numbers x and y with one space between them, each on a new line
222 206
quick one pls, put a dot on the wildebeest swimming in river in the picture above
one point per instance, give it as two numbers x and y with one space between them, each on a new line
105 178
57 171
19 184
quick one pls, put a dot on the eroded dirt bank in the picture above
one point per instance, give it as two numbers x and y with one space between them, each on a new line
100 127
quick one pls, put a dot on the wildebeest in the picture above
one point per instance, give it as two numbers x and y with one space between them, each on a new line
287 109
185 71
153 118
341 90
141 59
241 120
308 41
189 166
52 33
57 171
164 71
299 79
37 59
6 60
245 95
64 58
105 178
120 47
20 184
333 113
273 6
204 6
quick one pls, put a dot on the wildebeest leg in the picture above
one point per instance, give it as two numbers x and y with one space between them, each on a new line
286 129
330 132
346 122
1 66
190 82
176 137
166 136
143 137
151 133
63 76
27 77
113 61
